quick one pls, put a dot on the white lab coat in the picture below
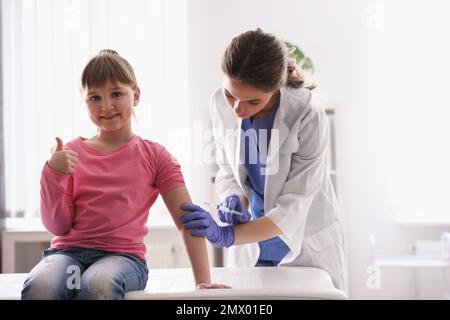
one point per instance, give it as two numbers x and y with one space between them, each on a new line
299 196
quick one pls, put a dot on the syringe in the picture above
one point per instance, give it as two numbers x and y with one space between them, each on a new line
221 208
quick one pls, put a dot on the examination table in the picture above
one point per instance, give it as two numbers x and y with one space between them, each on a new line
247 283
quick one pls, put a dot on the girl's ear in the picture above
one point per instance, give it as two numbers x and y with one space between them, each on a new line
137 94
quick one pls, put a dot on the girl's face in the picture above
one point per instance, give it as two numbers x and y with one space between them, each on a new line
246 100
110 106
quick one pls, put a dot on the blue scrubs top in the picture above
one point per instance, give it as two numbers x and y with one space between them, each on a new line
256 137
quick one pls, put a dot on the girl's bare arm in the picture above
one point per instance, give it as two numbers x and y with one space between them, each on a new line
195 246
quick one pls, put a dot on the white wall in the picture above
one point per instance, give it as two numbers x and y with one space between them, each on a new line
341 38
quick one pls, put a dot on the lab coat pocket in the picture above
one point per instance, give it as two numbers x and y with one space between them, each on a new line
325 252
325 237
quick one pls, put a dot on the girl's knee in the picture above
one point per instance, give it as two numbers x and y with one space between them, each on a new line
40 288
100 287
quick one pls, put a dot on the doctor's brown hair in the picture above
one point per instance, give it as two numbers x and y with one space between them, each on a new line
107 65
261 60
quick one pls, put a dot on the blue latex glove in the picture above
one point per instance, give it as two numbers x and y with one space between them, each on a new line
233 202
203 225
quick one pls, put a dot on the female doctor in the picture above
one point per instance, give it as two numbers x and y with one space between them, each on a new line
271 149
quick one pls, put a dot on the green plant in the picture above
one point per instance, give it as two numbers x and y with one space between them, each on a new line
304 62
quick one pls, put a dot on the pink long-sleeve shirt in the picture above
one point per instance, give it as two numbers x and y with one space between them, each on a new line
104 204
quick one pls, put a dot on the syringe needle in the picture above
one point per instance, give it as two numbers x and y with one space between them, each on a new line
221 208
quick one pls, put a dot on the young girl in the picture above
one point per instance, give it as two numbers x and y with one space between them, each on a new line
281 183
96 194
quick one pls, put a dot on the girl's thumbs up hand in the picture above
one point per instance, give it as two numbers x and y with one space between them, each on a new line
64 161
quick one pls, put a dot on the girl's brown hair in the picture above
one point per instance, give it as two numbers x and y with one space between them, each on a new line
261 60
107 65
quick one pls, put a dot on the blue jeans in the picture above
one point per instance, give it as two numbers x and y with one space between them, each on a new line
86 274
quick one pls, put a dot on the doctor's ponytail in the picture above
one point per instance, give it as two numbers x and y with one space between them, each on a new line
261 60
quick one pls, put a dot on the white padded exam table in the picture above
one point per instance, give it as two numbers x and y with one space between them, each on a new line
247 283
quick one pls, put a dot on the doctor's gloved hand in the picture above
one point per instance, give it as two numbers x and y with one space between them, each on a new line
233 202
203 225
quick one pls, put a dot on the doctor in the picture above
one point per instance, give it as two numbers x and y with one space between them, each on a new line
271 149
